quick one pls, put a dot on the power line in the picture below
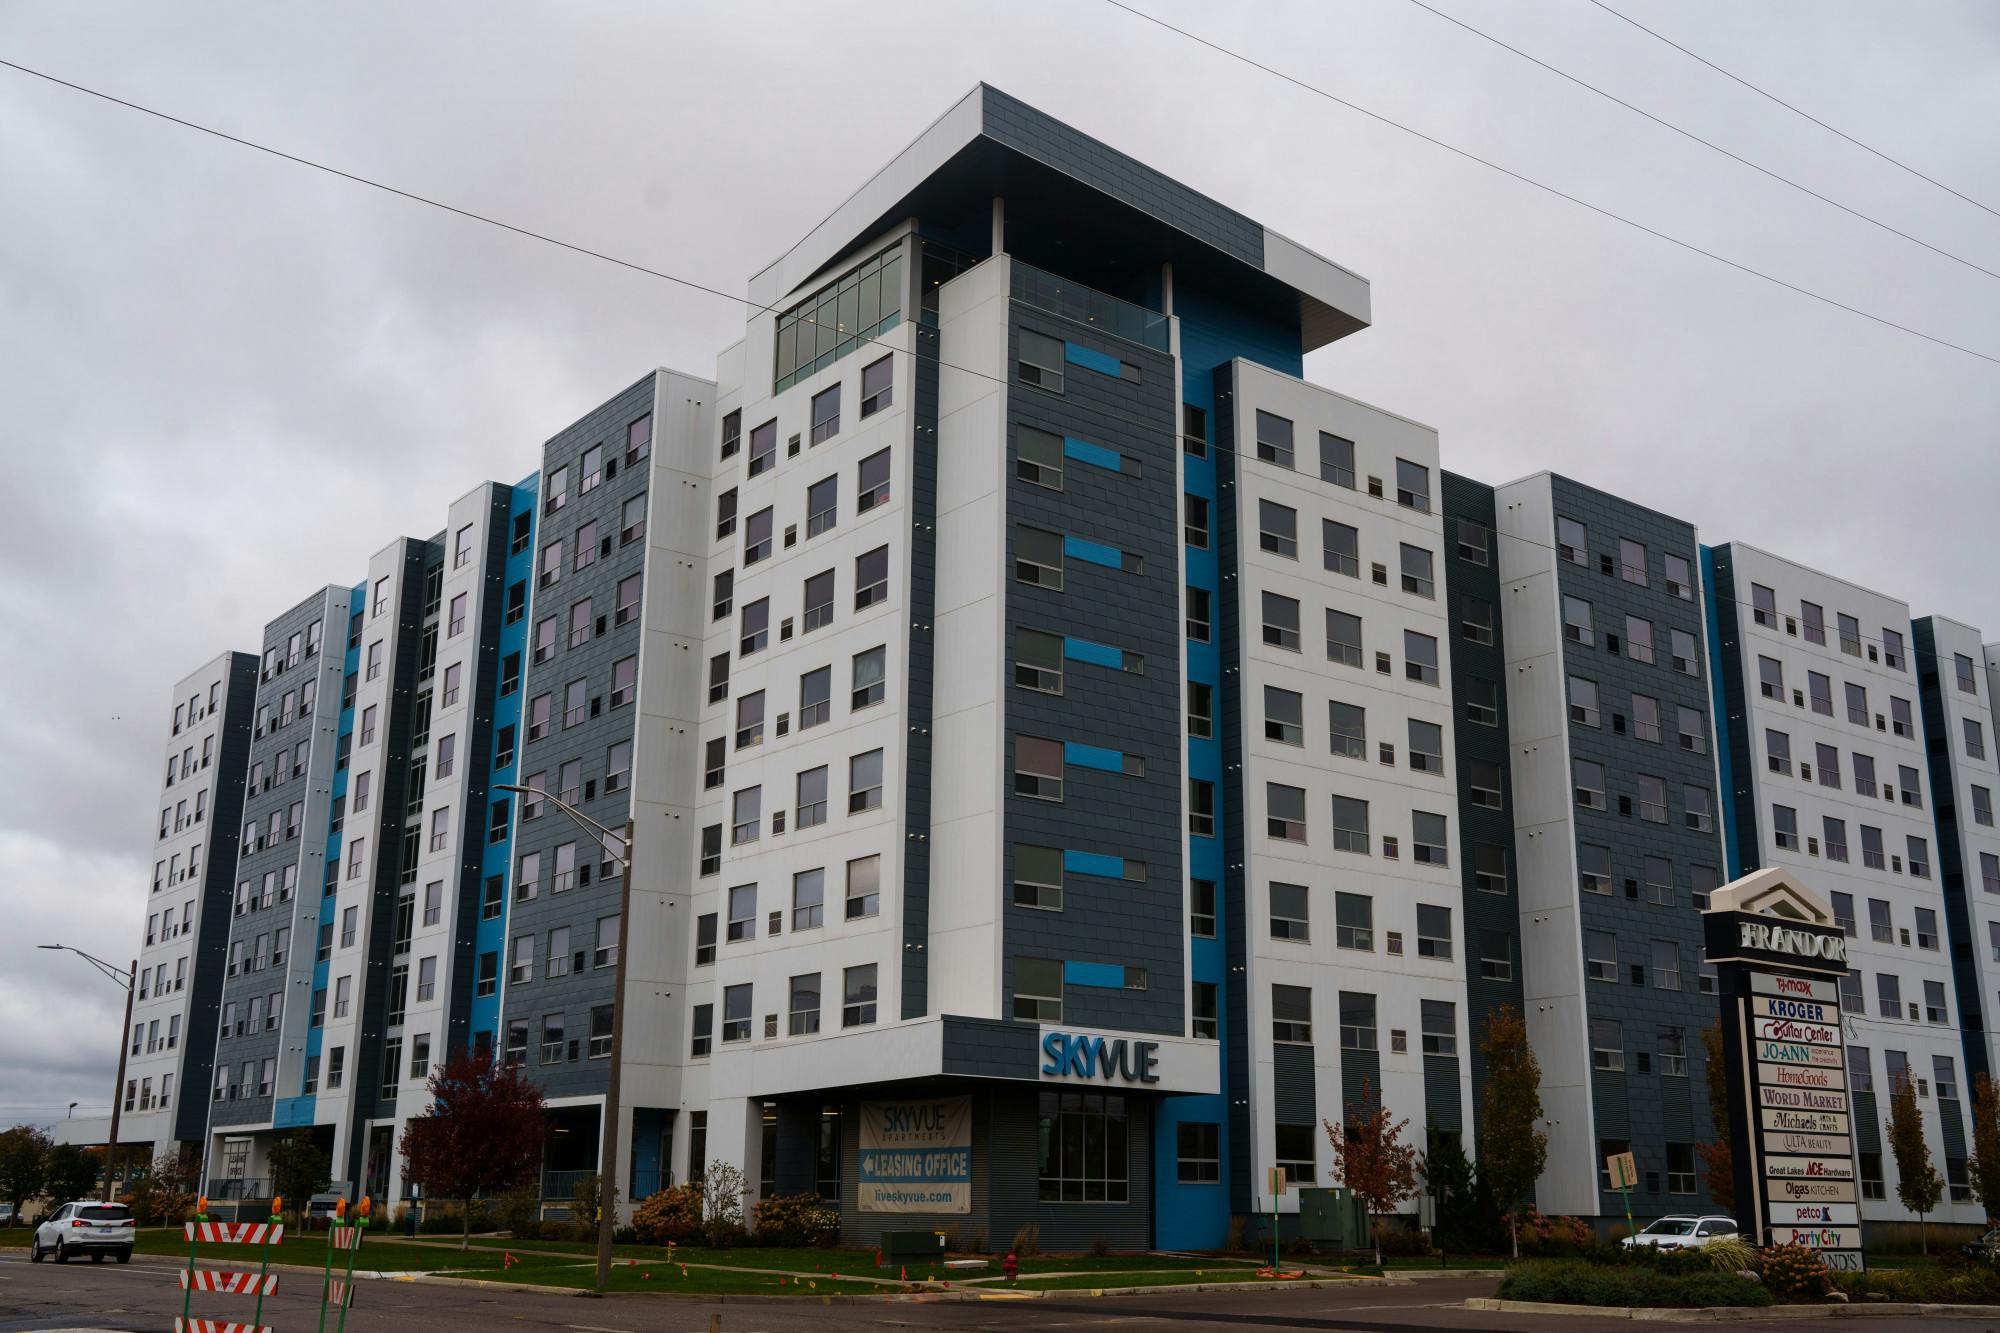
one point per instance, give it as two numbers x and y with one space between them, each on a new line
968 370
1793 109
1705 143
758 306
1598 209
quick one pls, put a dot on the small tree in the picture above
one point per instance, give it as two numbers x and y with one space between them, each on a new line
1918 1184
484 1131
1984 1168
1513 1150
1718 1155
24 1164
73 1173
299 1167
1371 1159
164 1193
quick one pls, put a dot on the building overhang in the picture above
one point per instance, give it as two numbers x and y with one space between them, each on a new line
1084 197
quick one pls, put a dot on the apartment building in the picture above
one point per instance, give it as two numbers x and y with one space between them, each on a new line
1614 779
178 976
1044 738
1828 777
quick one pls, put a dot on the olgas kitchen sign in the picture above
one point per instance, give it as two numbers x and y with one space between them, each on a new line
1072 1055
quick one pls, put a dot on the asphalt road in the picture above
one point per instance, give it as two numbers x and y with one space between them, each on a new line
144 1297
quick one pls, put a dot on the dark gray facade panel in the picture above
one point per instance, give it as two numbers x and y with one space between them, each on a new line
1960 923
1133 923
587 741
1441 1104
1228 631
991 1048
918 695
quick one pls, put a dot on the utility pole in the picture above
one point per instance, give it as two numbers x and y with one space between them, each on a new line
129 982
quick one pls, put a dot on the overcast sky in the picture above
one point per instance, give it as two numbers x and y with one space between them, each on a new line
226 380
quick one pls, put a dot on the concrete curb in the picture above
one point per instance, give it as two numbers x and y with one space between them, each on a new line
952 1295
1734 1314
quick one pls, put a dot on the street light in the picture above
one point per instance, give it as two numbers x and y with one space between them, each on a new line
607 1165
117 1089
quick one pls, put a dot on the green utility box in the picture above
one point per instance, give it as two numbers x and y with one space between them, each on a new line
1333 1218
912 1246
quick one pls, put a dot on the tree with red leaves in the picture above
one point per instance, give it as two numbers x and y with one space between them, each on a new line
1371 1159
1718 1156
483 1133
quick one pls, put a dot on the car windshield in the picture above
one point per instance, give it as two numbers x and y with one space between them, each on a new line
1670 1226
106 1212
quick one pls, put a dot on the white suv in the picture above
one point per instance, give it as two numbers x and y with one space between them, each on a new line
1683 1232
87 1227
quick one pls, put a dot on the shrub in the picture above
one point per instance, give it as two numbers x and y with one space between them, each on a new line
978 1242
669 1216
1730 1254
1028 1240
1400 1242
1971 1284
1572 1282
796 1219
723 1233
1100 1247
1553 1237
1795 1272
520 1209
1238 1226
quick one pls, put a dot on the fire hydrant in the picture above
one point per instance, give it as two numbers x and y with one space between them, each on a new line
1011 1266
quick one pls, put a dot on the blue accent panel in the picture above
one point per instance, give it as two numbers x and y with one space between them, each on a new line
1196 1216
1097 553
357 597
287 1112
1083 451
648 1122
1097 654
1094 863
498 859
1093 756
1110 976
1089 359
1719 709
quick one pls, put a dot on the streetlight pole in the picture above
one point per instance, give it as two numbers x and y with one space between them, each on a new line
118 1088
607 1165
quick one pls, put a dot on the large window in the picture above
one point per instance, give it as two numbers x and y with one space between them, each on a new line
1198 1152
1084 1142
861 304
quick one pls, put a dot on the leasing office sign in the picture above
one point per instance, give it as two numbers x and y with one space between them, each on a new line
916 1156
1786 1065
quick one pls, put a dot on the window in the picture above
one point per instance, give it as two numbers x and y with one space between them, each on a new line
1927 931
1038 558
864 782
1900 721
819 601
1038 457
1638 639
1975 739
1041 361
757 536
1697 808
1420 657
1274 439
1291 1015
1284 716
1343 638
1347 726
755 629
869 676
864 887
1588 780
1593 863
1685 659
1201 908
1350 825
1583 706
1426 748
1982 805
872 487
1919 858
1934 1006
746 813
1198 616
1201 808
736 1013
1288 913
632 519
1871 848
1038 990
521 967
1284 812
1038 768
1666 959
1433 931
1496 956
1336 460
1427 839
811 812
1440 1027
1632 561
1281 621
1278 529
1038 877
1482 702
1475 619
1607 1045
1413 485
825 418
871 578
1357 1021
857 996
1892 649
1572 541
1819 688
1785 827
1483 783
1084 1148
628 599
1417 571
1489 867
877 386
1576 621
764 441
1198 1152
1764 604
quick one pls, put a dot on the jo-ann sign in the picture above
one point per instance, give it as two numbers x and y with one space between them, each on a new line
916 1156
1779 958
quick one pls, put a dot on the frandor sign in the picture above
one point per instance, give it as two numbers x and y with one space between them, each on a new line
1798 943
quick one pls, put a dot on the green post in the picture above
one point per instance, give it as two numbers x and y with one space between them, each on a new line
347 1292
1627 1192
326 1277
257 1319
187 1292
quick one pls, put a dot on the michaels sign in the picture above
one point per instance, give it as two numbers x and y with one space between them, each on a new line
1072 1055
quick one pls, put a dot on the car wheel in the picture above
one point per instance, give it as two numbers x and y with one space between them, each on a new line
35 1250
62 1255
124 1256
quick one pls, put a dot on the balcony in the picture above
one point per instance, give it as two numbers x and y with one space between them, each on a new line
1073 300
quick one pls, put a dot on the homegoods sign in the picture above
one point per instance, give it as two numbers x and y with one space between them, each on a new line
1786 1066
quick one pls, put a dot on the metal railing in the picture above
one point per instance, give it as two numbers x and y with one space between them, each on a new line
562 1184
1087 305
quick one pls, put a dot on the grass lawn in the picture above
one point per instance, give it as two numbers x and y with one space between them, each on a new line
1149 1278
667 1278
297 1248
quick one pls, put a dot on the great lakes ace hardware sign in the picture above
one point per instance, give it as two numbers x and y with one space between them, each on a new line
1779 957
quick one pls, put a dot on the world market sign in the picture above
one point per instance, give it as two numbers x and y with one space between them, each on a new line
1779 956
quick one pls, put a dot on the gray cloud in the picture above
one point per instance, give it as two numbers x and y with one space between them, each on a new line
227 380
